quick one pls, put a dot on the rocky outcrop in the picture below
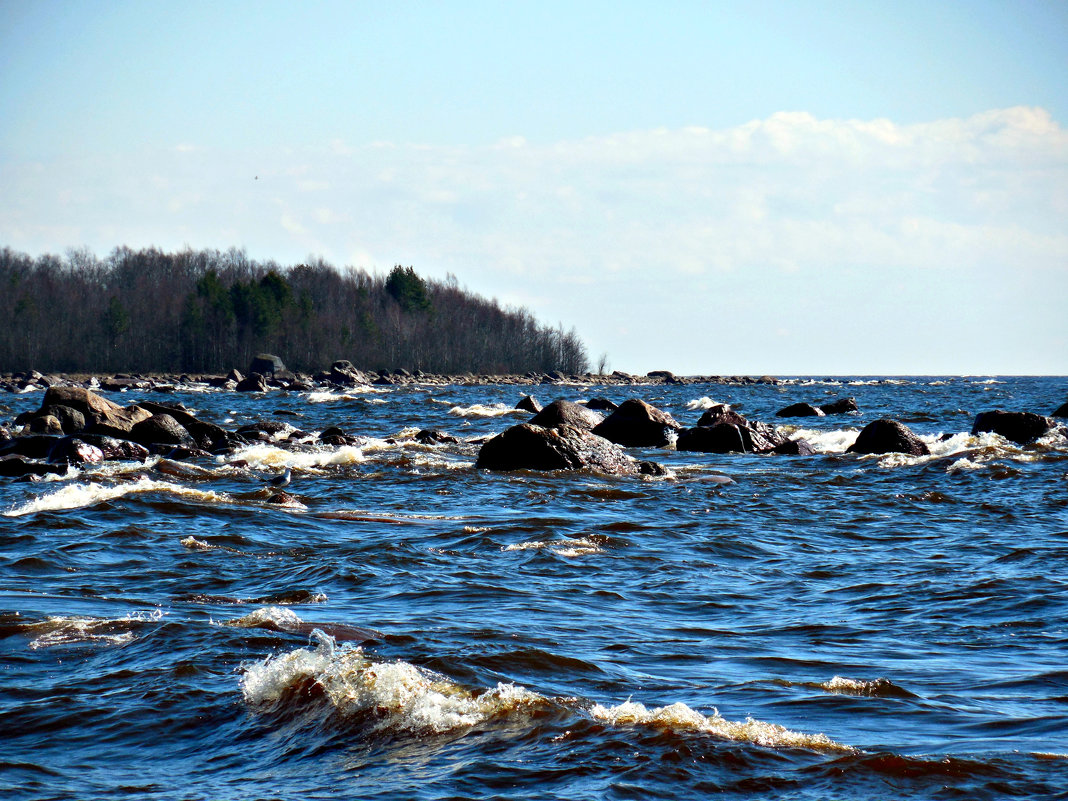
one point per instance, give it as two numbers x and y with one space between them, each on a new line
97 411
636 424
562 412
726 431
888 436
161 429
564 447
1018 427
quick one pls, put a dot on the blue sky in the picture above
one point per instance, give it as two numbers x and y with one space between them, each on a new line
708 187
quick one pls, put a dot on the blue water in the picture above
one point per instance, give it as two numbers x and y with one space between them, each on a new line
830 626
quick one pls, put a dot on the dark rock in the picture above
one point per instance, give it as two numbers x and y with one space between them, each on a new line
565 447
235 376
888 436
721 413
794 447
718 438
429 437
36 446
207 436
45 424
1018 427
601 405
636 424
70 419
528 403
562 412
840 406
17 466
282 497
73 450
113 448
161 429
655 469
1062 411
254 383
267 364
800 410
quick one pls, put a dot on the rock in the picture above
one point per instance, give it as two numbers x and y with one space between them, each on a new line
36 446
565 447
267 364
800 410
342 372
97 411
235 376
71 420
161 429
73 450
755 437
17 466
254 383
652 469
528 403
601 405
113 448
1062 411
45 424
888 436
562 412
207 436
840 406
429 437
1018 427
636 424
718 438
722 413
794 447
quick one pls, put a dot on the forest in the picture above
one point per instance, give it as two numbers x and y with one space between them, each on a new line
206 311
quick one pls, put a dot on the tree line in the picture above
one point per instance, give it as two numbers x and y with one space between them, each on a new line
206 311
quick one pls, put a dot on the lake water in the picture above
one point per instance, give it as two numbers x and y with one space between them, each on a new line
829 626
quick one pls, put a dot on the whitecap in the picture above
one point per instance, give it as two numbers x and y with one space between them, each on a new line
264 456
704 404
583 546
77 496
483 410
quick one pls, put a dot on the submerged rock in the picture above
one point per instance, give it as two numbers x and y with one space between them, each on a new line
528 403
888 436
636 424
840 406
1019 427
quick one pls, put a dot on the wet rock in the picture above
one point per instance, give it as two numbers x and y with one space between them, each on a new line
18 466
1062 411
840 406
113 448
44 424
636 424
35 446
73 450
282 497
800 410
254 383
721 413
161 429
888 436
71 420
654 469
718 438
528 403
601 405
1018 427
794 447
564 447
562 412
432 437
97 411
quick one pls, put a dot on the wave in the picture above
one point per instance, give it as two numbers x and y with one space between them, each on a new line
484 410
582 546
400 697
60 631
270 457
703 404
77 496
350 394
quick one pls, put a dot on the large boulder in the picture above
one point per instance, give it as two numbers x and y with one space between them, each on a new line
636 424
267 364
565 447
750 436
207 436
254 383
562 412
888 436
528 403
72 450
1019 427
719 438
1062 411
800 410
98 412
161 429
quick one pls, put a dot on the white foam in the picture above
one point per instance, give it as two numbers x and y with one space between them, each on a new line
566 548
98 631
401 696
831 441
268 617
482 410
350 394
704 404
264 456
680 717
77 496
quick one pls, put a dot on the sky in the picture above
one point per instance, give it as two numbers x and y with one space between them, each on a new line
711 188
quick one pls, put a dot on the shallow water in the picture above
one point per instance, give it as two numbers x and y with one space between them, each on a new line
831 626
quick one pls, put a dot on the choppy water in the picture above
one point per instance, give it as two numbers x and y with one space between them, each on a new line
831 626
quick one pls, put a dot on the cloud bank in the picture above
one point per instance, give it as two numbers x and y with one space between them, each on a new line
648 241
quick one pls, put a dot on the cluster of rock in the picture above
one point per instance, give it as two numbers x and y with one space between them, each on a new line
267 372
569 436
75 426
